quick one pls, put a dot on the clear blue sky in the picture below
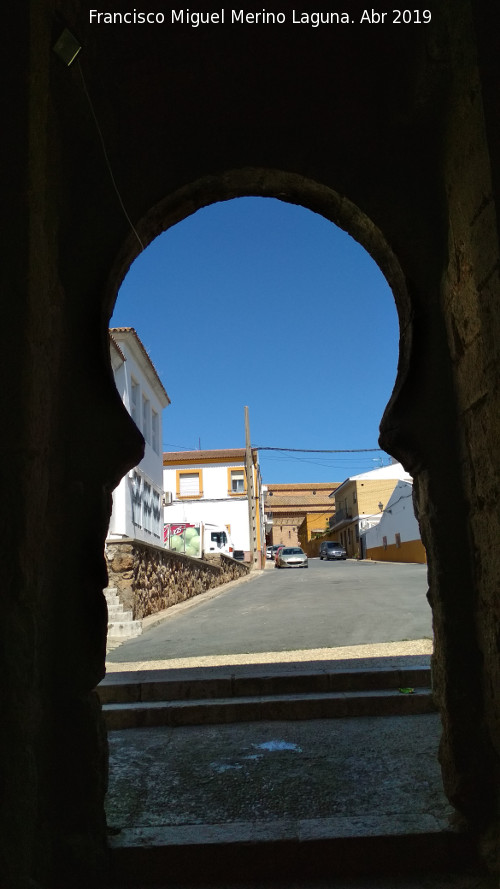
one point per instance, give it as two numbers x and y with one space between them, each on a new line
261 303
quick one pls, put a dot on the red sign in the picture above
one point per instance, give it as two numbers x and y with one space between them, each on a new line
175 528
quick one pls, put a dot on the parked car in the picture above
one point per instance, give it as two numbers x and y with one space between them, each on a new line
271 550
291 557
332 549
277 550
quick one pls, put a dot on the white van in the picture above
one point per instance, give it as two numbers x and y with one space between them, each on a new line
216 539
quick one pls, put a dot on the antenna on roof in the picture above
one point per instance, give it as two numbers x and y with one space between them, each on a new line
199 444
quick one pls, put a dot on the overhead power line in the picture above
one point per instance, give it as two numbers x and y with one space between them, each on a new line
324 451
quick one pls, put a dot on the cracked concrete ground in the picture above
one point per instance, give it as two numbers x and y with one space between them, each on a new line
341 769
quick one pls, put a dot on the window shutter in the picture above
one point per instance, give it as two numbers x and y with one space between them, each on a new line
189 484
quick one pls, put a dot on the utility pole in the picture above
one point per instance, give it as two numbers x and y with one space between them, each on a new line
252 517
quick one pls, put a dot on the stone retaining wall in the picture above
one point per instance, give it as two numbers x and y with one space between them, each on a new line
150 578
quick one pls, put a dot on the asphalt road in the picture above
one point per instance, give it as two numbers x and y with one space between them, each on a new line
330 604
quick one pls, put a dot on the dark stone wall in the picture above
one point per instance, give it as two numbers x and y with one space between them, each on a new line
391 134
150 578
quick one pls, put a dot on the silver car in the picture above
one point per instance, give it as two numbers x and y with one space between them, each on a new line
291 557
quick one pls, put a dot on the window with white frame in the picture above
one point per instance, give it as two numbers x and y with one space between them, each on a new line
136 499
155 431
134 400
147 509
157 514
237 481
146 419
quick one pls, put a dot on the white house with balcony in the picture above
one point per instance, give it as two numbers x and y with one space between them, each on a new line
137 501
210 486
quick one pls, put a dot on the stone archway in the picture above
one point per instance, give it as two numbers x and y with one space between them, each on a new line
404 433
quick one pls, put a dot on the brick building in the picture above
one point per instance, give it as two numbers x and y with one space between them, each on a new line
297 510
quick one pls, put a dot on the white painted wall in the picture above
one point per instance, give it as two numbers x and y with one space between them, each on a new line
137 501
215 507
398 518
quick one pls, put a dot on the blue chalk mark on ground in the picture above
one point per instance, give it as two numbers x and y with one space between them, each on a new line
278 745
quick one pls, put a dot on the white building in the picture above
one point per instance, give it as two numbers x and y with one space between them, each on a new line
137 501
396 538
211 487
359 504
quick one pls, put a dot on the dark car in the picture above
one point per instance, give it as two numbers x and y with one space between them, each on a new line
332 549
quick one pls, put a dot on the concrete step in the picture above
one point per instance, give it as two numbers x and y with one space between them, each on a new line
229 699
282 803
215 711
121 625
217 682
239 853
124 629
113 602
111 595
116 613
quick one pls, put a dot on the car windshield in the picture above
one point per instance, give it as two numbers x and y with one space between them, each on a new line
293 551
333 545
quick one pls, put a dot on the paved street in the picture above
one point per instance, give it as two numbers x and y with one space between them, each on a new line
329 605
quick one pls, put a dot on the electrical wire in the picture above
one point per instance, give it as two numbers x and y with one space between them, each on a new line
321 451
105 153
403 497
300 450
179 447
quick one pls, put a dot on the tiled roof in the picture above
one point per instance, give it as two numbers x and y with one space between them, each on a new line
131 331
318 500
191 455
116 347
223 455
310 486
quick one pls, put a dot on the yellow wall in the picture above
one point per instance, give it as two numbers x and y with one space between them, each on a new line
312 522
371 493
407 551
363 496
315 522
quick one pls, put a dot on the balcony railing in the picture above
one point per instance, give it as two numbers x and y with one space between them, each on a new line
341 515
